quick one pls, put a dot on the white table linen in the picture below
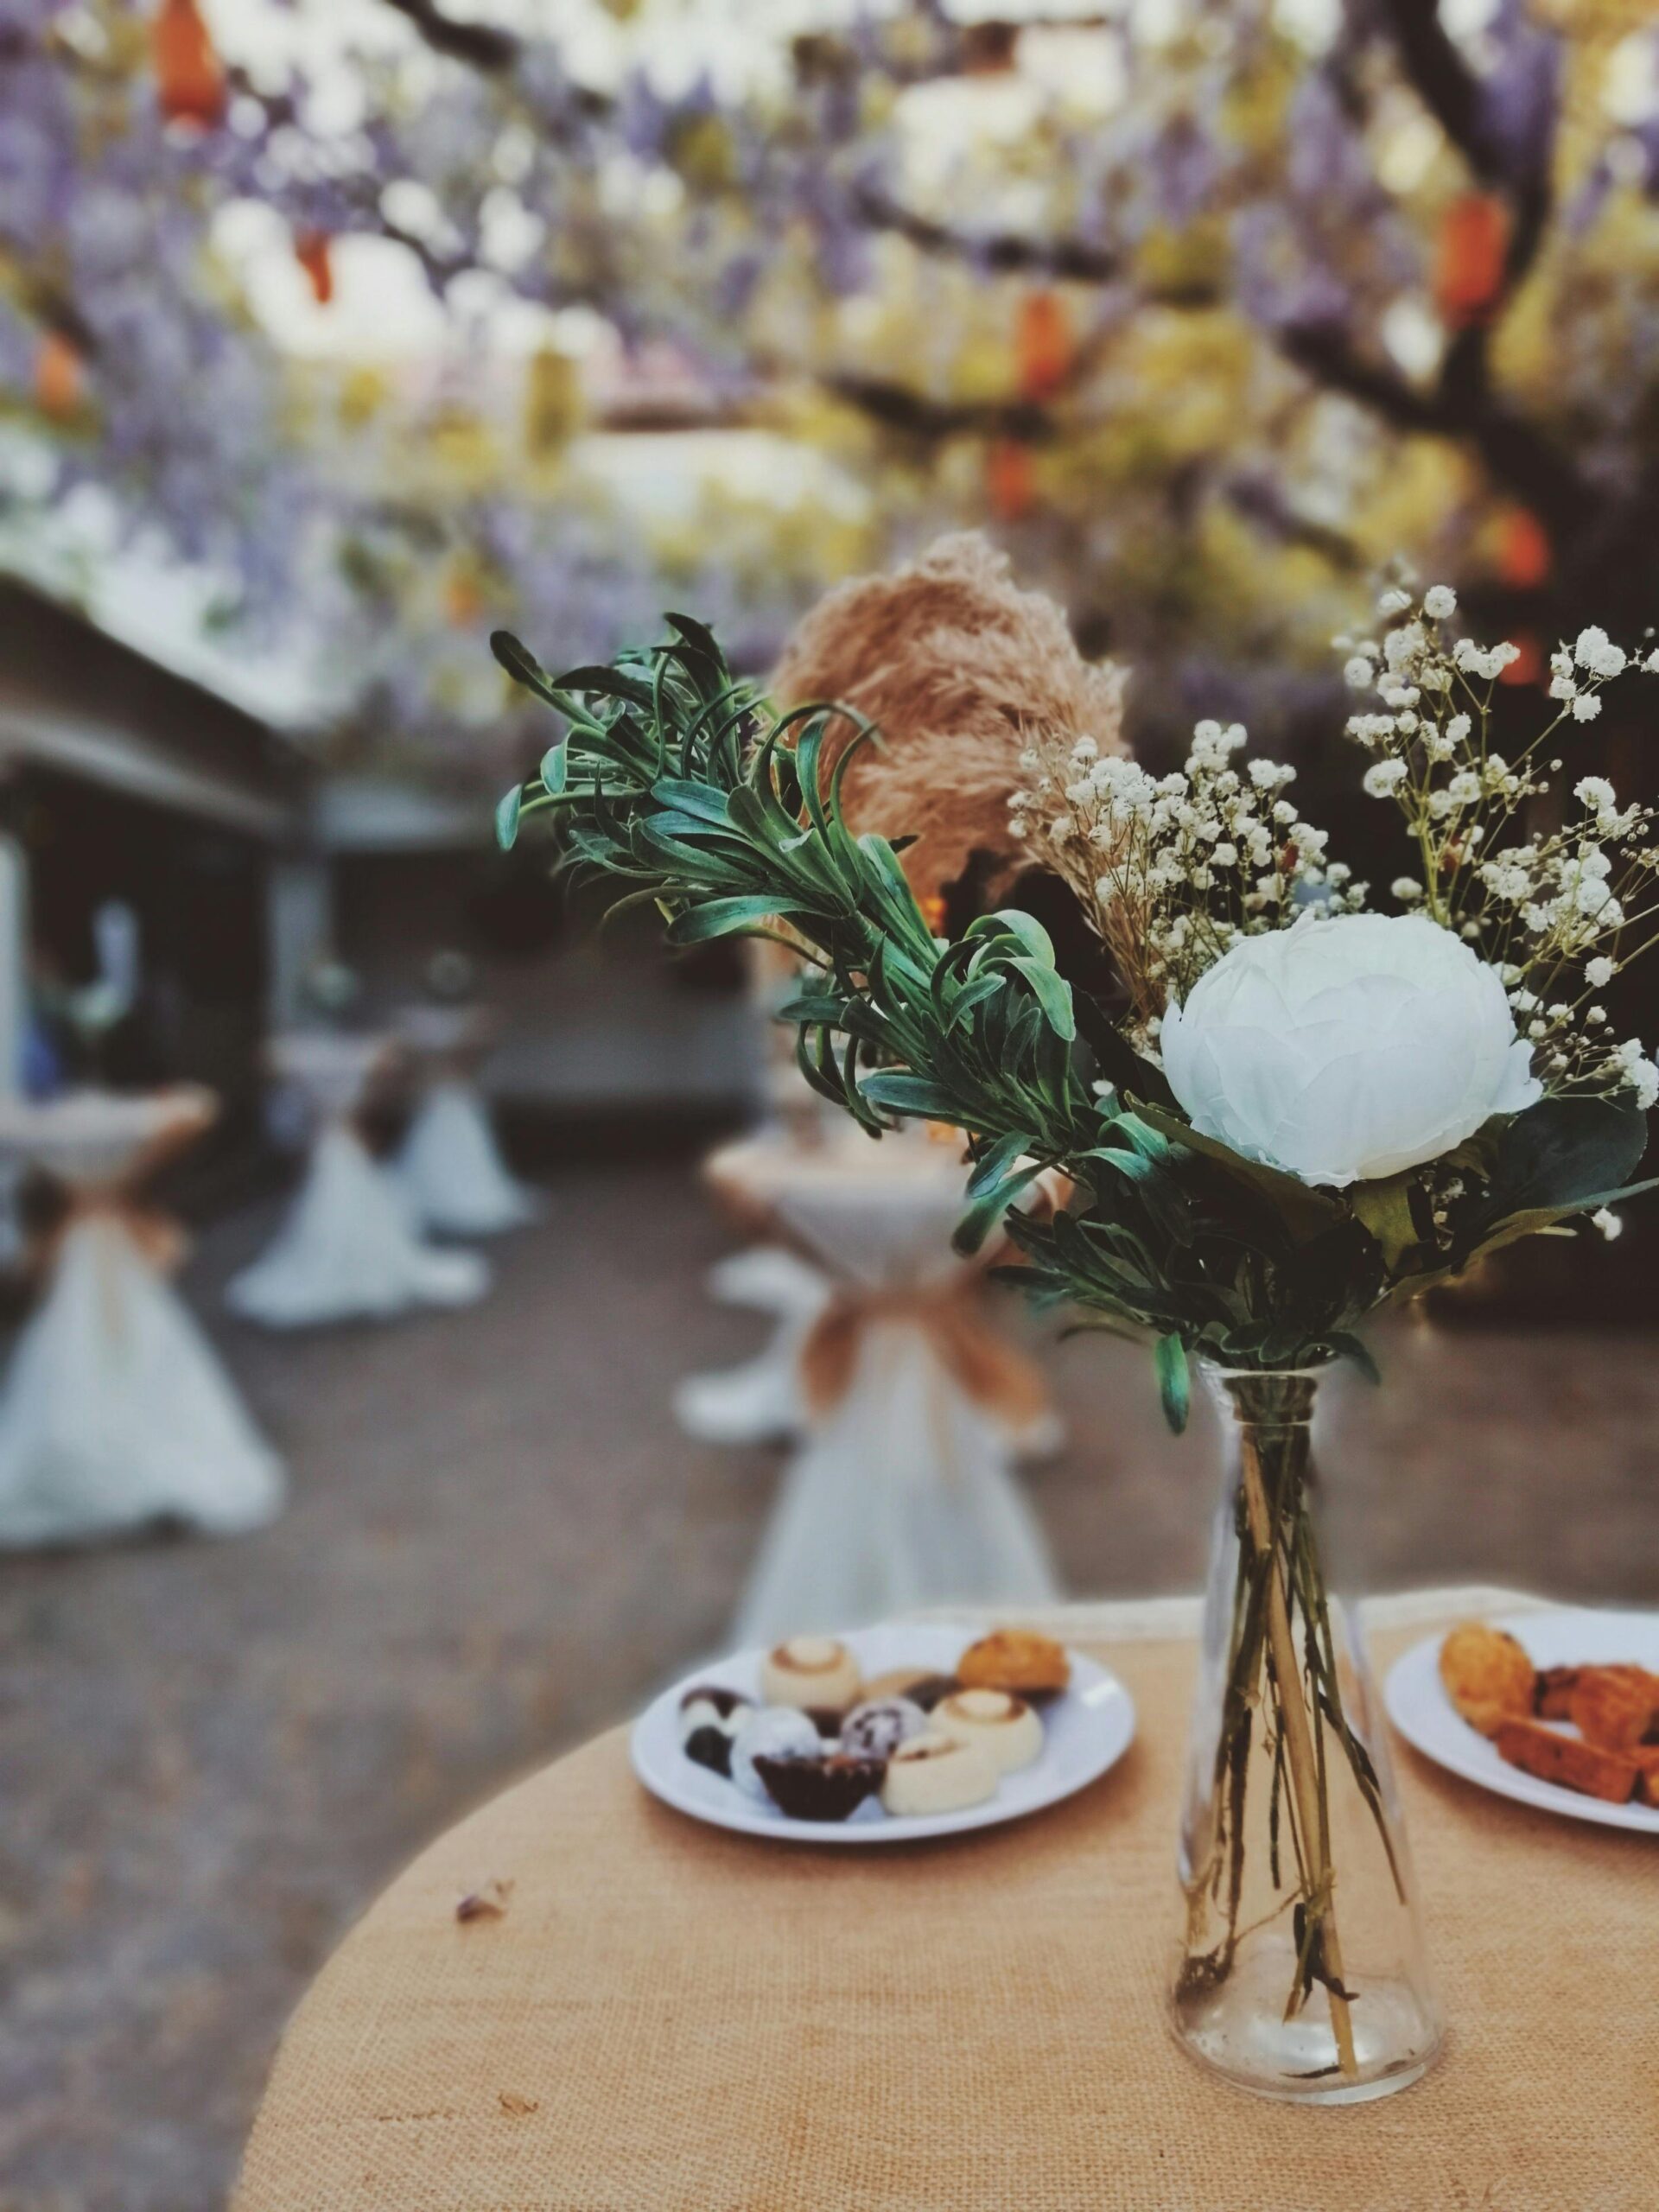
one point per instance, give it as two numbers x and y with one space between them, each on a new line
116 1412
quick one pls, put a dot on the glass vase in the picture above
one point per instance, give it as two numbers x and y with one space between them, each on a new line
1302 1972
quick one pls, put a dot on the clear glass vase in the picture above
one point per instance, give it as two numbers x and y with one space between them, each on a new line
1301 1971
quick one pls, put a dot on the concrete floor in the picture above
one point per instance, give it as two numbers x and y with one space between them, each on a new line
211 1756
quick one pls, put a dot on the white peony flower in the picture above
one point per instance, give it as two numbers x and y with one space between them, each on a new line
1347 1049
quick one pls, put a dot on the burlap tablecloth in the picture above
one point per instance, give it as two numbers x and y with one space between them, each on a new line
669 2019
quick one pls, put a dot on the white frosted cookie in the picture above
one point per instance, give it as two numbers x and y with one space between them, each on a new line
1005 1724
812 1672
933 1773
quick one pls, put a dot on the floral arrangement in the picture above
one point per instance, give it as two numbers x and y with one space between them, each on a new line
1302 1109
1305 1108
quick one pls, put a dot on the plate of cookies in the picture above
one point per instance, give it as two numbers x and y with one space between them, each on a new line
1558 1709
884 1735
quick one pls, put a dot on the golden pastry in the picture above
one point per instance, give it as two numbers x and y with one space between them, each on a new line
1004 1724
1017 1659
815 1674
1488 1676
935 1774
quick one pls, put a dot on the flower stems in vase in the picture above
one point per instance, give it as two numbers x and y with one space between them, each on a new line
1284 1787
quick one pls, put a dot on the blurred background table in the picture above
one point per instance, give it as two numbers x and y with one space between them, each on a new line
902 1492
116 1411
666 2015
448 1166
346 1249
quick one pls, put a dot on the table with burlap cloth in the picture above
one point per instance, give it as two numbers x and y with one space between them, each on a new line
666 2018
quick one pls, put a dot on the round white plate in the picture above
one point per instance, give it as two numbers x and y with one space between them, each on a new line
1088 1730
1424 1715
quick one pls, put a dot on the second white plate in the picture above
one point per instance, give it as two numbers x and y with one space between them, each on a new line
1572 1637
1088 1730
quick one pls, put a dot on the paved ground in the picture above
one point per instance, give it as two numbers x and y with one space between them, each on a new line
211 1756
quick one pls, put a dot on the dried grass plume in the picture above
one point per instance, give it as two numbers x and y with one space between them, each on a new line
958 668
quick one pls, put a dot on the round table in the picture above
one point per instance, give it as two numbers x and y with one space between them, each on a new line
348 1248
902 1492
666 2018
448 1166
117 1412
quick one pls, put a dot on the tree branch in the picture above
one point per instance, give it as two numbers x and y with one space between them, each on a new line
480 46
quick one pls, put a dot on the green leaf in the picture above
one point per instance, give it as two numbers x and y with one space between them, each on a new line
983 1215
1053 996
605 684
555 768
1306 1212
901 1093
718 917
1561 1152
506 817
1384 1207
1175 1380
992 1166
1011 922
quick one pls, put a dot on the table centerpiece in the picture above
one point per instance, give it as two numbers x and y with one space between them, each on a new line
1302 1110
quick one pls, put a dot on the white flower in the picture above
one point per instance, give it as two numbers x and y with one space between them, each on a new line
1593 651
1359 674
1393 602
1608 1223
1407 889
1439 602
1346 1049
1599 973
1383 777
1593 791
1586 707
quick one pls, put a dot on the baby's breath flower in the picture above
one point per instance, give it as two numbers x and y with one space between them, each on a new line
1406 890
1586 707
1599 973
1439 602
1607 1222
1382 778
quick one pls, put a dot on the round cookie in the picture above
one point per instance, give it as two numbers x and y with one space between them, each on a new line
830 1788
1005 1724
933 1773
813 1673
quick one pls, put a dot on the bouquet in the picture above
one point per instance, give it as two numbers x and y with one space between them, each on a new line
1303 1104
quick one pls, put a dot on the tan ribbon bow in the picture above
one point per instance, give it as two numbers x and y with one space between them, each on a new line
992 1374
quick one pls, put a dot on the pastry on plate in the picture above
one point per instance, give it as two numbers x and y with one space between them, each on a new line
829 1789
875 1729
933 1773
919 1685
1574 1764
709 1718
1615 1707
812 1672
775 1732
1004 1724
1017 1659
1488 1676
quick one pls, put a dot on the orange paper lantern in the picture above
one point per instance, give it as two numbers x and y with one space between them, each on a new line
60 376
1043 346
189 81
1523 553
1010 479
1469 267
311 251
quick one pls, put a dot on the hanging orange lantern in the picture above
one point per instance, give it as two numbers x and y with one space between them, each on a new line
1010 479
190 80
1469 265
1042 346
60 376
311 251
1523 555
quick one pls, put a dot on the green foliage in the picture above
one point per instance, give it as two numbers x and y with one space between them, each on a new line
675 779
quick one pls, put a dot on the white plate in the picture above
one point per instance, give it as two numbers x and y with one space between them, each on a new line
1426 1716
1088 1730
